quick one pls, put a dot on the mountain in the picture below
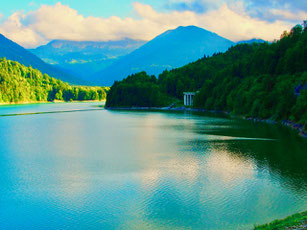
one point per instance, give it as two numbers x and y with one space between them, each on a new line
84 58
254 40
172 49
12 51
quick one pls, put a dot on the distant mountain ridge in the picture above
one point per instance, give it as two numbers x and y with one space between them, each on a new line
172 49
102 62
254 40
12 51
84 58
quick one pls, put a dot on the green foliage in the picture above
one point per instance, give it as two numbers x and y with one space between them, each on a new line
136 90
292 222
256 80
260 80
25 84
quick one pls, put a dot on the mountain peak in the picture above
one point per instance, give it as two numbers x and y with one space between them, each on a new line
172 49
190 27
188 32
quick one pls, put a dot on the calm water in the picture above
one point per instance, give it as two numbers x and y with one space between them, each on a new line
99 169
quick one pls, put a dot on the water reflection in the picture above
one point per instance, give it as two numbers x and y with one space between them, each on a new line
143 170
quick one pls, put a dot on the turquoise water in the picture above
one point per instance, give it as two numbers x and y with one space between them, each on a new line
99 169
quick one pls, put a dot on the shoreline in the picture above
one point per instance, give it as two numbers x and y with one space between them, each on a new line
48 102
297 127
295 221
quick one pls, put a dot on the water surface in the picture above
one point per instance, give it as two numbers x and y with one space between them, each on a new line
99 169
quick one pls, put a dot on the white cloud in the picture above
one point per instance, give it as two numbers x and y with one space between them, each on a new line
238 25
62 22
300 15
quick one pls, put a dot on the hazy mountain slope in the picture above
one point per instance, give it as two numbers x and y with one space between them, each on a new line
85 57
12 51
172 49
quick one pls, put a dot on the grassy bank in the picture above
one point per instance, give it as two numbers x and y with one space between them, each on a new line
296 221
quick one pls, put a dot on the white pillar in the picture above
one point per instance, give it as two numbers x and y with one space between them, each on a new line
185 99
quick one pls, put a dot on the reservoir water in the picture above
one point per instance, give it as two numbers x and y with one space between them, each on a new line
78 166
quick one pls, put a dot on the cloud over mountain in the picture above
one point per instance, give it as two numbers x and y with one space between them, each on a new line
60 21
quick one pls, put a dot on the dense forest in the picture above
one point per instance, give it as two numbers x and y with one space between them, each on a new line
139 90
263 80
19 83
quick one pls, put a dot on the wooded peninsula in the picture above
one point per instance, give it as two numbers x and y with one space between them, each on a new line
259 80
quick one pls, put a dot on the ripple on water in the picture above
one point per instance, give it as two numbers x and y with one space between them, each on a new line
164 171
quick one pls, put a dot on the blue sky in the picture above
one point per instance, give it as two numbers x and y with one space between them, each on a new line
97 8
32 23
123 8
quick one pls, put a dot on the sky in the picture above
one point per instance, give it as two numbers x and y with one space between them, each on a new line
34 23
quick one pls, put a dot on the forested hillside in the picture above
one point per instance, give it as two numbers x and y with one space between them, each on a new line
259 80
19 83
137 90
13 51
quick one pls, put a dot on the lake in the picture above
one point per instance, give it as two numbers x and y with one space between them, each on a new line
79 166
